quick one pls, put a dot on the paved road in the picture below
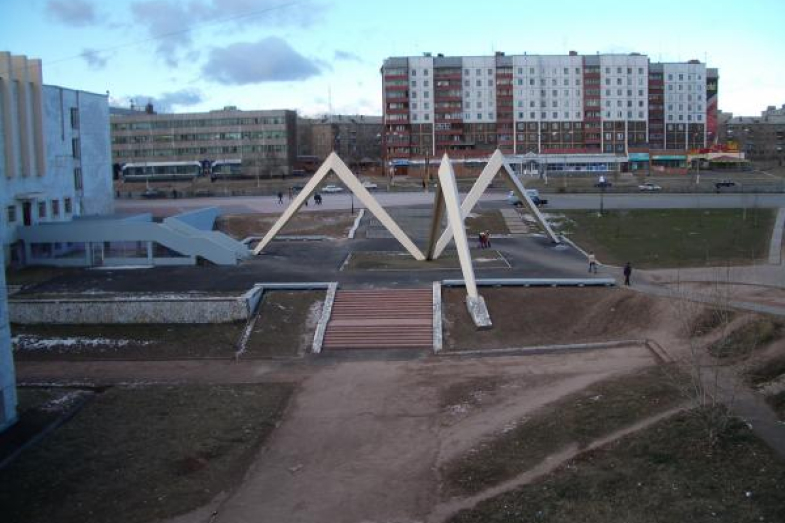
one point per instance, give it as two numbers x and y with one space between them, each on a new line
268 204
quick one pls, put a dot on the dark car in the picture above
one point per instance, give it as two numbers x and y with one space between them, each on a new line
723 184
603 184
297 188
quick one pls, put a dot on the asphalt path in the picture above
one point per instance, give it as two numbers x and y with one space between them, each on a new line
344 201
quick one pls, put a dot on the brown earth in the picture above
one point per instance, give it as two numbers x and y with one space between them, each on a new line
335 224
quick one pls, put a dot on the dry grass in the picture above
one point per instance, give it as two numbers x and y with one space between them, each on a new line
286 324
576 419
141 454
744 340
664 473
334 224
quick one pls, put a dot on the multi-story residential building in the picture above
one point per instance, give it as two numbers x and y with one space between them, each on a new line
545 104
259 143
55 161
759 137
356 138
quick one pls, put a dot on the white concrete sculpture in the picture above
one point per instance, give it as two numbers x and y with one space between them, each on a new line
449 192
333 163
497 164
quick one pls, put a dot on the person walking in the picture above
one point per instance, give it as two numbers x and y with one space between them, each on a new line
487 239
592 262
280 198
627 273
481 240
317 198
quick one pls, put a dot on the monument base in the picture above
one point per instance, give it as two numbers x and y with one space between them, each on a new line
479 312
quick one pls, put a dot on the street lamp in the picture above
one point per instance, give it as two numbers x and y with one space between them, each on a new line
602 194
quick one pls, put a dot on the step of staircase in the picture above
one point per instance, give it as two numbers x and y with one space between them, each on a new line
514 222
381 319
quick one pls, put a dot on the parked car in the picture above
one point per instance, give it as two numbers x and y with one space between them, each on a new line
297 188
534 196
370 185
724 183
332 188
649 187
603 184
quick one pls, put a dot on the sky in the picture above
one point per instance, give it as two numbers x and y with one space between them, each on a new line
321 56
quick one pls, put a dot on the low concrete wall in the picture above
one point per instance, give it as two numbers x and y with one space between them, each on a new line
133 308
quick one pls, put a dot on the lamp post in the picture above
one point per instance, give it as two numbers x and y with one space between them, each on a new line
602 194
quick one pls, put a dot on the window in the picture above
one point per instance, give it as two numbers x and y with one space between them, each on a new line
414 94
78 178
479 83
414 83
490 83
520 70
427 117
640 70
42 209
479 104
466 72
566 71
531 81
75 148
490 71
555 115
490 116
520 81
479 116
425 83
11 213
426 105
618 70
74 118
425 72
427 94
478 72
466 83
414 105
414 72
55 208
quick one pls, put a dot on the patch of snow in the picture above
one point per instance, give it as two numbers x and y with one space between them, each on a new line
33 342
64 402
458 409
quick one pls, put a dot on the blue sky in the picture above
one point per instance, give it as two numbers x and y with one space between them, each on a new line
191 55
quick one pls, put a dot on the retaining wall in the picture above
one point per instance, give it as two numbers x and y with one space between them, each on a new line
133 308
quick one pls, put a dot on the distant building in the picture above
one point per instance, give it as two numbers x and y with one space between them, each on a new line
254 143
356 138
537 104
759 137
7 378
55 161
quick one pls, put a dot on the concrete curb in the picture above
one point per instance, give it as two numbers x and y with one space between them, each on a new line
438 338
536 282
357 220
321 328
542 349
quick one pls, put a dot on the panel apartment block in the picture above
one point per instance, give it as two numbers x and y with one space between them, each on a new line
559 104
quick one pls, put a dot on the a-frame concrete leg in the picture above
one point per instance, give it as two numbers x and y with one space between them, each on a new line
495 166
449 189
438 211
333 163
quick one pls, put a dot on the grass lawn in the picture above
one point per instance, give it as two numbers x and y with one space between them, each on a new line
402 261
485 221
125 341
665 473
658 238
335 224
286 324
141 454
579 418
35 275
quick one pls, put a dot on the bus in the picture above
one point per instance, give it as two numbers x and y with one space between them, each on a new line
226 169
161 171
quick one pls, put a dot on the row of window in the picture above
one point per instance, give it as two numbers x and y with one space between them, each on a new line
45 210
279 149
200 137
208 122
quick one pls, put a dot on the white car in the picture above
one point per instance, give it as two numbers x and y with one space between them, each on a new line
648 186
370 185
332 188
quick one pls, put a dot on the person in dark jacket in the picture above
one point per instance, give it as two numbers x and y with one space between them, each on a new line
627 273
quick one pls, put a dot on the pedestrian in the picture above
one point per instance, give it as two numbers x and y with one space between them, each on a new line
280 197
487 239
592 262
317 198
291 194
306 202
627 273
481 240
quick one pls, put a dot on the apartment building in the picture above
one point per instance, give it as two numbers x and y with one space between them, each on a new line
595 104
258 143
55 161
356 138
759 137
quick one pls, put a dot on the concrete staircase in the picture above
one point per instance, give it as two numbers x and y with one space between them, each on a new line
381 319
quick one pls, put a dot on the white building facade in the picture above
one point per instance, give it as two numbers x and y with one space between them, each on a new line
55 160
